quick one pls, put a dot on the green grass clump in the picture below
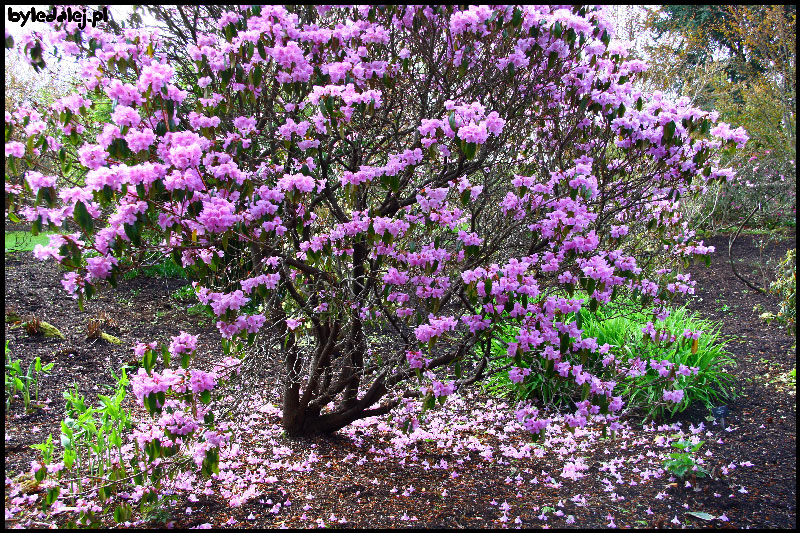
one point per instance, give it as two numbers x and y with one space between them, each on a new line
623 332
711 386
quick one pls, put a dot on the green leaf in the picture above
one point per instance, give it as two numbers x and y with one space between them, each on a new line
122 513
149 360
669 130
83 218
591 283
470 150
52 495
394 183
516 18
165 356
701 515
429 402
570 287
133 233
69 458
452 120
551 60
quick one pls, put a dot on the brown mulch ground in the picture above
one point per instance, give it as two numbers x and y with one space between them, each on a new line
363 477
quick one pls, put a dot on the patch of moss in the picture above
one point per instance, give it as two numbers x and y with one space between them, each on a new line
49 330
110 338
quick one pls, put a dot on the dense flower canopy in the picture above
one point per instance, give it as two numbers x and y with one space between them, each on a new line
434 172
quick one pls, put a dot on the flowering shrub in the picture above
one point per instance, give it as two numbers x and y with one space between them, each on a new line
336 170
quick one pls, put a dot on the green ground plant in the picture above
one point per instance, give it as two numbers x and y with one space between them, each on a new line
162 269
92 436
683 463
183 294
24 383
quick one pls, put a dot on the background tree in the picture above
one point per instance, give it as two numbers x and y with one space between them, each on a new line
25 88
749 55
741 62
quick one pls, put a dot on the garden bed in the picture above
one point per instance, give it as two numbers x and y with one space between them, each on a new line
462 470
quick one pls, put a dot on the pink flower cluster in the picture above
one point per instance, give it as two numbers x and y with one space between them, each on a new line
291 127
100 267
143 384
139 140
416 360
517 375
221 302
38 181
675 396
125 94
126 116
299 182
246 125
395 277
183 343
218 215
200 381
269 281
435 327
15 149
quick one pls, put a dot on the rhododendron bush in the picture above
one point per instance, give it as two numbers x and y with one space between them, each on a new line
335 175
